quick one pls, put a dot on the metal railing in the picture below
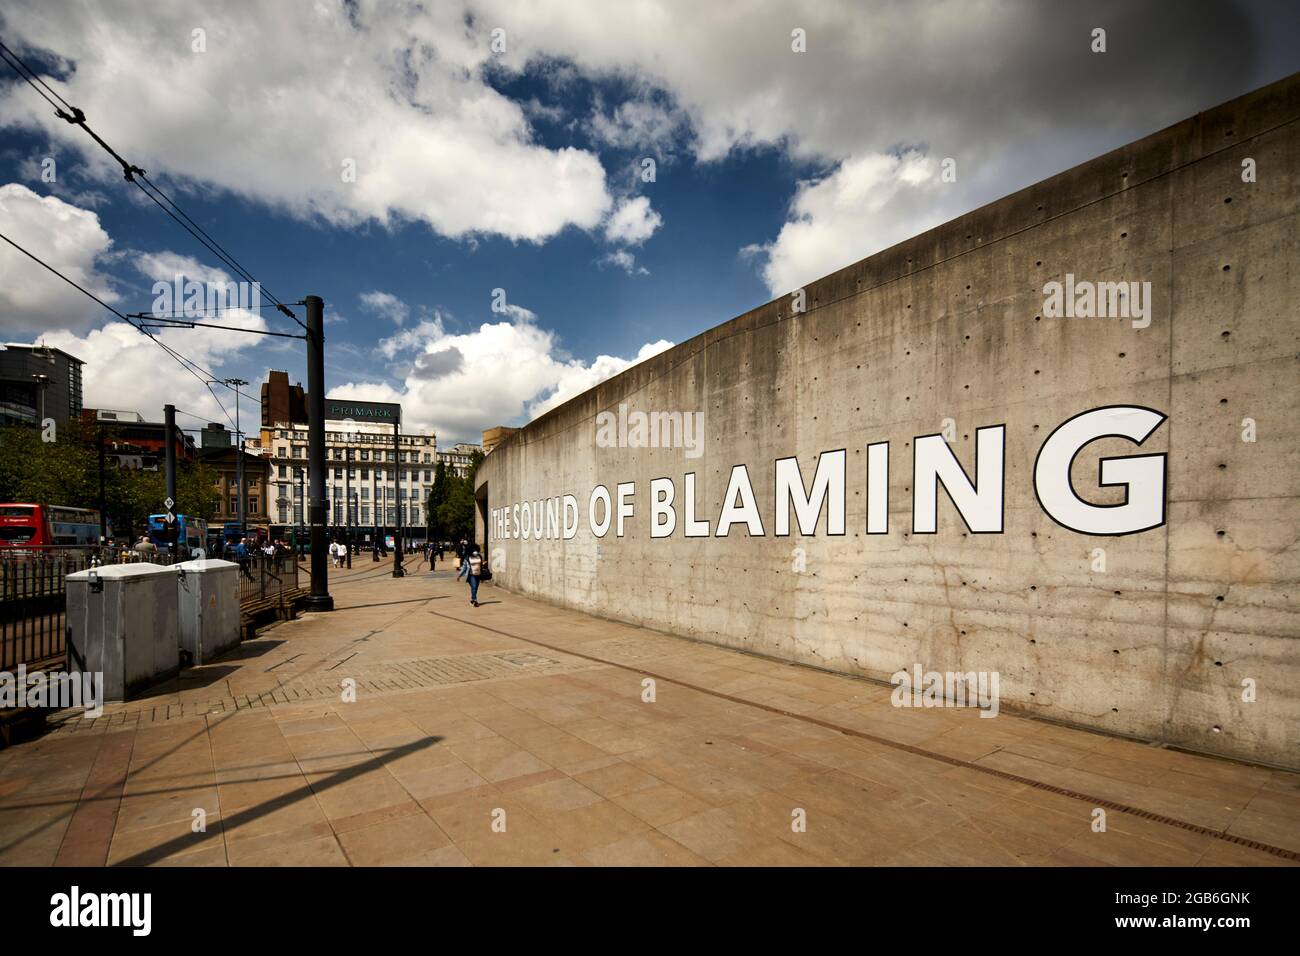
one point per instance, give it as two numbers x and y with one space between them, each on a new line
33 593
33 596
263 577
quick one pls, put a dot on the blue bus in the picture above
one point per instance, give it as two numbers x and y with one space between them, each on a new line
190 533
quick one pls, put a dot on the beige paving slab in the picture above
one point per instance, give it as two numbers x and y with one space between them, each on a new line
445 737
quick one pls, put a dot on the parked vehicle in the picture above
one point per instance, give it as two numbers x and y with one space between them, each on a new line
36 526
187 534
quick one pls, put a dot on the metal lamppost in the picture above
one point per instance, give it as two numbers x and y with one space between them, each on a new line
319 599
347 497
302 513
240 492
42 383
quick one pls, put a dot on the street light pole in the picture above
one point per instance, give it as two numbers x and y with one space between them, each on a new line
42 383
319 599
235 383
347 497
398 571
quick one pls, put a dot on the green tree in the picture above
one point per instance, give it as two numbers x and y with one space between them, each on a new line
66 472
437 495
456 513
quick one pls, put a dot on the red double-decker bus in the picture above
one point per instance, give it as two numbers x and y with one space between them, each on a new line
36 526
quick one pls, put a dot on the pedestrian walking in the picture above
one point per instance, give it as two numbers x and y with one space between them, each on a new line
474 567
242 556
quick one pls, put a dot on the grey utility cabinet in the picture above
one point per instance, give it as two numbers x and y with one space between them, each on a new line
123 625
207 598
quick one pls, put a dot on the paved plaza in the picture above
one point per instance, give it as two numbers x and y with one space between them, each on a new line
519 733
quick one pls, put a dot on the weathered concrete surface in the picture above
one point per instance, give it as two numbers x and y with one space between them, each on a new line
949 325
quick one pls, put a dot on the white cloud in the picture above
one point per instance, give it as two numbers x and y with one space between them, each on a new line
167 266
457 383
622 259
633 222
867 204
577 378
879 79
125 370
639 124
70 240
397 89
386 305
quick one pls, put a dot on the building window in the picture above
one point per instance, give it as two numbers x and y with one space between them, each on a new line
252 505
281 452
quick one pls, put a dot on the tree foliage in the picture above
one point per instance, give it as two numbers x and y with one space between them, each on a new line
451 502
66 472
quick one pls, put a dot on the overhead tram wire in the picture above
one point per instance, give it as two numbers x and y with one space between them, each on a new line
134 174
186 363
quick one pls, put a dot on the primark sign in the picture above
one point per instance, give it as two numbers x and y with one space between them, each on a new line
375 413
670 506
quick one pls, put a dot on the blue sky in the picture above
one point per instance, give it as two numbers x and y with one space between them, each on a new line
516 167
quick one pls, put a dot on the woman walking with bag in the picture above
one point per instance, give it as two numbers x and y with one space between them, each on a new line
474 562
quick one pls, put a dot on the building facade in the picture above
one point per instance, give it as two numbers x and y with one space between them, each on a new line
496 435
282 403
458 457
219 454
38 382
367 481
131 442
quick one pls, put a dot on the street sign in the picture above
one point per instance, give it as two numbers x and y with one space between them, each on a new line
167 503
380 413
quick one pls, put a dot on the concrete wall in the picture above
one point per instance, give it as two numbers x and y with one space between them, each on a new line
950 325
